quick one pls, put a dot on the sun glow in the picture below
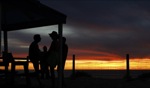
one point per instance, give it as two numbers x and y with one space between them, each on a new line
96 64
135 64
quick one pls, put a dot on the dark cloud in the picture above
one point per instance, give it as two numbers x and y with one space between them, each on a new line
101 28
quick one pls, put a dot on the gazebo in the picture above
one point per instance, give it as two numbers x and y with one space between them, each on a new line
22 14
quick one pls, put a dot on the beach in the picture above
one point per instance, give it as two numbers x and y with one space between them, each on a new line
82 81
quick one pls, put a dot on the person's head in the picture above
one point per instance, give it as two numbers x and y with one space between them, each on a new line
54 35
37 38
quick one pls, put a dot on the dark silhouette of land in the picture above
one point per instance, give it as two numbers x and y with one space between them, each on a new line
83 80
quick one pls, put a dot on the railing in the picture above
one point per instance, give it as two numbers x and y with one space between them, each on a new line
127 69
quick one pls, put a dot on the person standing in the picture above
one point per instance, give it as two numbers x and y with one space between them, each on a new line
35 52
52 53
43 64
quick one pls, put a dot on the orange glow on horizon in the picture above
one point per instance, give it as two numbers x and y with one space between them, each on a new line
135 64
100 63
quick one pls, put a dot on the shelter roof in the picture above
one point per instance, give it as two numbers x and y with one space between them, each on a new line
22 14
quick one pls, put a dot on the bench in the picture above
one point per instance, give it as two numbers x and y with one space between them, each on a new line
4 63
8 58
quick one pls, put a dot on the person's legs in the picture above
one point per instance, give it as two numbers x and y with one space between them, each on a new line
42 66
47 72
36 66
52 76
63 67
58 68
37 71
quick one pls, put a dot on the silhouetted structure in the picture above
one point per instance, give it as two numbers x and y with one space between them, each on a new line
23 14
8 58
5 63
16 16
64 56
18 63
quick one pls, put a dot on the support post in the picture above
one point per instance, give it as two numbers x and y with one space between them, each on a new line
5 42
60 70
73 66
0 25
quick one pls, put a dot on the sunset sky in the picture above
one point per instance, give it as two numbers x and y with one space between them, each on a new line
101 30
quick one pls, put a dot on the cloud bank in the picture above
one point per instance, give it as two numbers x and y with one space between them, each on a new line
96 29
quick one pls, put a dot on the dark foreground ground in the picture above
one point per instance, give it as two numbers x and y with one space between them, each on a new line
82 82
86 80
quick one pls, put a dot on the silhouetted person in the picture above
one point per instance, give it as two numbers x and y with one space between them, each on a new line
35 55
64 56
53 48
35 52
44 65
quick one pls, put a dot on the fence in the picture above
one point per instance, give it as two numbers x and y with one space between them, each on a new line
126 72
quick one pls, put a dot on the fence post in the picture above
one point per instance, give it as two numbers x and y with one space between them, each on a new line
127 76
73 66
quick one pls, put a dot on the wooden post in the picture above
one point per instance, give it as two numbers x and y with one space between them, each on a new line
73 66
5 42
60 70
128 64
0 25
127 67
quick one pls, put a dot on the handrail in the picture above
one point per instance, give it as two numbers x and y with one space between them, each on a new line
21 59
18 59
